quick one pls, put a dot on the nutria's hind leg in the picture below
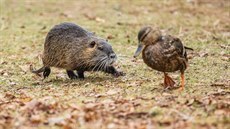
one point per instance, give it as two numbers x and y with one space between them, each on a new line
46 72
71 74
81 74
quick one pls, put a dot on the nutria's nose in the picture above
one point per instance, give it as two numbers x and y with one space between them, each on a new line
112 56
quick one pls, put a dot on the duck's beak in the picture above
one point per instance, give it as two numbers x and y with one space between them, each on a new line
139 50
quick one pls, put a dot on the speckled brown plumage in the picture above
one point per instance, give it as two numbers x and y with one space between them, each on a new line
164 53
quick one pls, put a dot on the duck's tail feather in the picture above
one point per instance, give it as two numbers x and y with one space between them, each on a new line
188 48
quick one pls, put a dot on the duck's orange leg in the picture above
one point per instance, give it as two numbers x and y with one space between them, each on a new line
182 81
168 81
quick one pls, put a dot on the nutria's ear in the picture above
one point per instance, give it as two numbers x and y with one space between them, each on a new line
92 44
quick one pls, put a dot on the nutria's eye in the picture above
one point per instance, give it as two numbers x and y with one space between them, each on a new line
100 48
92 44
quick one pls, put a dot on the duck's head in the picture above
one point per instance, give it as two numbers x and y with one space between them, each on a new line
146 36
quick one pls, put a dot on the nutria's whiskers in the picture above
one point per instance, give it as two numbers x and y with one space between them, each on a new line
99 62
106 65
101 65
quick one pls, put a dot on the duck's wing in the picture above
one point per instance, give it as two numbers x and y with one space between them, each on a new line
179 47
173 46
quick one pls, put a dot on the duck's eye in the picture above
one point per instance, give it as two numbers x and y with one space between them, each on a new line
100 48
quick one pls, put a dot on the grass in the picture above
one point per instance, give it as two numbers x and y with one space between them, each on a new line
136 100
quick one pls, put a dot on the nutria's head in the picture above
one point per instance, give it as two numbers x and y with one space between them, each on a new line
146 36
98 53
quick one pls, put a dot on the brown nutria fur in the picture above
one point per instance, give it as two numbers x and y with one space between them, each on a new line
71 47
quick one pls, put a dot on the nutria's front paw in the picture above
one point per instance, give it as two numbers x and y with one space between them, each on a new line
119 73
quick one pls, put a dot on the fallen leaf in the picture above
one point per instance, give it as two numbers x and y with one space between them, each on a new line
89 16
35 119
98 19
65 14
24 68
112 92
25 99
9 96
203 54
31 105
22 27
217 84
110 37
219 112
58 120
12 83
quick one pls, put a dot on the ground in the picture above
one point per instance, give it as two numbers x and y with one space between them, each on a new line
137 100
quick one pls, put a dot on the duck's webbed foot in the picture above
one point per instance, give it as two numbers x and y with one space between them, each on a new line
113 71
168 81
71 74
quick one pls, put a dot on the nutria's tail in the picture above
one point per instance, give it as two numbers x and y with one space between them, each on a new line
42 69
46 71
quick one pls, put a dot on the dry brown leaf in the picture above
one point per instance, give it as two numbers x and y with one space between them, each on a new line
110 37
24 68
35 119
58 120
112 92
25 99
9 96
31 105
203 54
98 19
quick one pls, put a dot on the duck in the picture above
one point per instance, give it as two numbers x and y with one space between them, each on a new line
164 53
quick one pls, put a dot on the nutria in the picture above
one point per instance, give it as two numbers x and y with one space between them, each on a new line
71 47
